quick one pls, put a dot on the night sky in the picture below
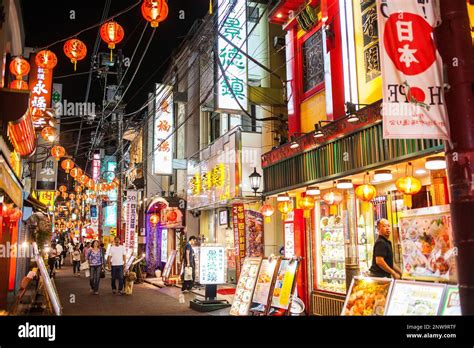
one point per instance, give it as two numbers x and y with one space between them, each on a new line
48 21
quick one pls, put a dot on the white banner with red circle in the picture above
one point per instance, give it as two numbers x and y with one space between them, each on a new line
412 79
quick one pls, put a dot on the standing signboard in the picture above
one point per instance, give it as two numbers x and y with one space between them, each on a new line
238 218
131 220
245 288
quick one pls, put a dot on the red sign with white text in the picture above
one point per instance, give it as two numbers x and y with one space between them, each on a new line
41 83
413 95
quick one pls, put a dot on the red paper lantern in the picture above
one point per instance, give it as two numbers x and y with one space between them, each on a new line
76 172
267 210
48 134
46 59
72 196
19 67
75 50
83 179
19 85
57 152
62 188
112 33
64 195
90 184
155 11
22 135
366 192
67 165
333 198
154 219
172 216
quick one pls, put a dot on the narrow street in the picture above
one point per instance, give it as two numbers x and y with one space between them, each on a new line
145 300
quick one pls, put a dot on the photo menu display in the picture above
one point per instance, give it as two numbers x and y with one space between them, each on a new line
245 287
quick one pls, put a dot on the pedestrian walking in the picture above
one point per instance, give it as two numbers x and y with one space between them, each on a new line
96 264
86 250
52 253
59 249
189 265
116 262
81 247
76 261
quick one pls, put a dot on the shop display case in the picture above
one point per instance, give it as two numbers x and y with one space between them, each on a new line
365 234
331 274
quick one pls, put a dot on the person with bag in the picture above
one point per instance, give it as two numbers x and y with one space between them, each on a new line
76 261
116 262
189 265
52 257
96 265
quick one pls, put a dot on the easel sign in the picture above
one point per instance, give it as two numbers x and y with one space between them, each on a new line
246 286
47 283
169 265
284 287
264 286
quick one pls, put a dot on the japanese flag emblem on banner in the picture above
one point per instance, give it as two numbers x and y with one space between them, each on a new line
412 80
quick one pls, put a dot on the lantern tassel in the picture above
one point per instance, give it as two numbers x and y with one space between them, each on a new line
407 201
210 7
75 63
307 213
111 56
268 219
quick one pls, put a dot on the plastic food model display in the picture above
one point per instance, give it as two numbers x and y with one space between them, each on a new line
368 296
331 258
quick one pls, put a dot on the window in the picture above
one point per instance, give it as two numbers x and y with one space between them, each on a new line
253 14
313 61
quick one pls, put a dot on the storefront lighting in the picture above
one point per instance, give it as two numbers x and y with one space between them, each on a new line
294 144
255 180
284 197
279 15
408 184
420 172
318 133
313 191
435 163
344 184
382 175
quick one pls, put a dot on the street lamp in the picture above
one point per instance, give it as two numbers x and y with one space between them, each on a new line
255 180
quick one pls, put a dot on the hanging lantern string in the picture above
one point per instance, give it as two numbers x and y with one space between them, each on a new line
128 9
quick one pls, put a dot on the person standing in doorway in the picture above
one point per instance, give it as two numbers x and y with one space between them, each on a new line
189 262
116 262
382 261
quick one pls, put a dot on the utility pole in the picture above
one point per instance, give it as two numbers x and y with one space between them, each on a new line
120 168
455 45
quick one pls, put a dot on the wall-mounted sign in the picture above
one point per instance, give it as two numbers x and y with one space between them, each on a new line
47 198
164 245
238 218
110 214
234 62
41 88
96 167
163 130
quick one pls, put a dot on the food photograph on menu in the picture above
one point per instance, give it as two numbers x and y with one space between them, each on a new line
264 285
245 288
367 296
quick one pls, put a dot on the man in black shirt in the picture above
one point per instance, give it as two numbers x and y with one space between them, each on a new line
189 262
382 260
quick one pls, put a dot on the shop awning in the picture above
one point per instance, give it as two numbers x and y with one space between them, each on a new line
35 204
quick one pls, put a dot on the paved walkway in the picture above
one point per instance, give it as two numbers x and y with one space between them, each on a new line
145 300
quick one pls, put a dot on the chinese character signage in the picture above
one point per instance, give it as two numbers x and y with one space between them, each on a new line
238 219
254 235
47 170
47 198
41 88
212 265
163 130
412 80
96 167
164 245
131 220
233 61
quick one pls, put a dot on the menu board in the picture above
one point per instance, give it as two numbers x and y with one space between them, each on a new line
289 240
367 296
48 282
452 304
284 284
197 258
415 298
427 244
264 284
212 265
245 287
169 264
164 245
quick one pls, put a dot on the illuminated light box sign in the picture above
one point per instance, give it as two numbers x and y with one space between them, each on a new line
233 61
110 214
163 130
212 265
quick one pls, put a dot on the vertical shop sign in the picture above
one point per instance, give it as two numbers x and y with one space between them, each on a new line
164 245
413 96
131 219
96 167
238 219
41 81
254 233
163 130
46 171
234 61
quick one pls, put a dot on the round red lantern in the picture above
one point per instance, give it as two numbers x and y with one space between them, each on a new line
333 197
267 210
46 59
67 165
172 216
62 188
48 134
57 152
154 219
72 196
90 184
19 67
366 192
307 203
75 50
155 11
78 189
112 33
76 172
64 195
83 179
19 85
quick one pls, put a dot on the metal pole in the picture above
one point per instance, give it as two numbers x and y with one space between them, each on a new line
455 45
